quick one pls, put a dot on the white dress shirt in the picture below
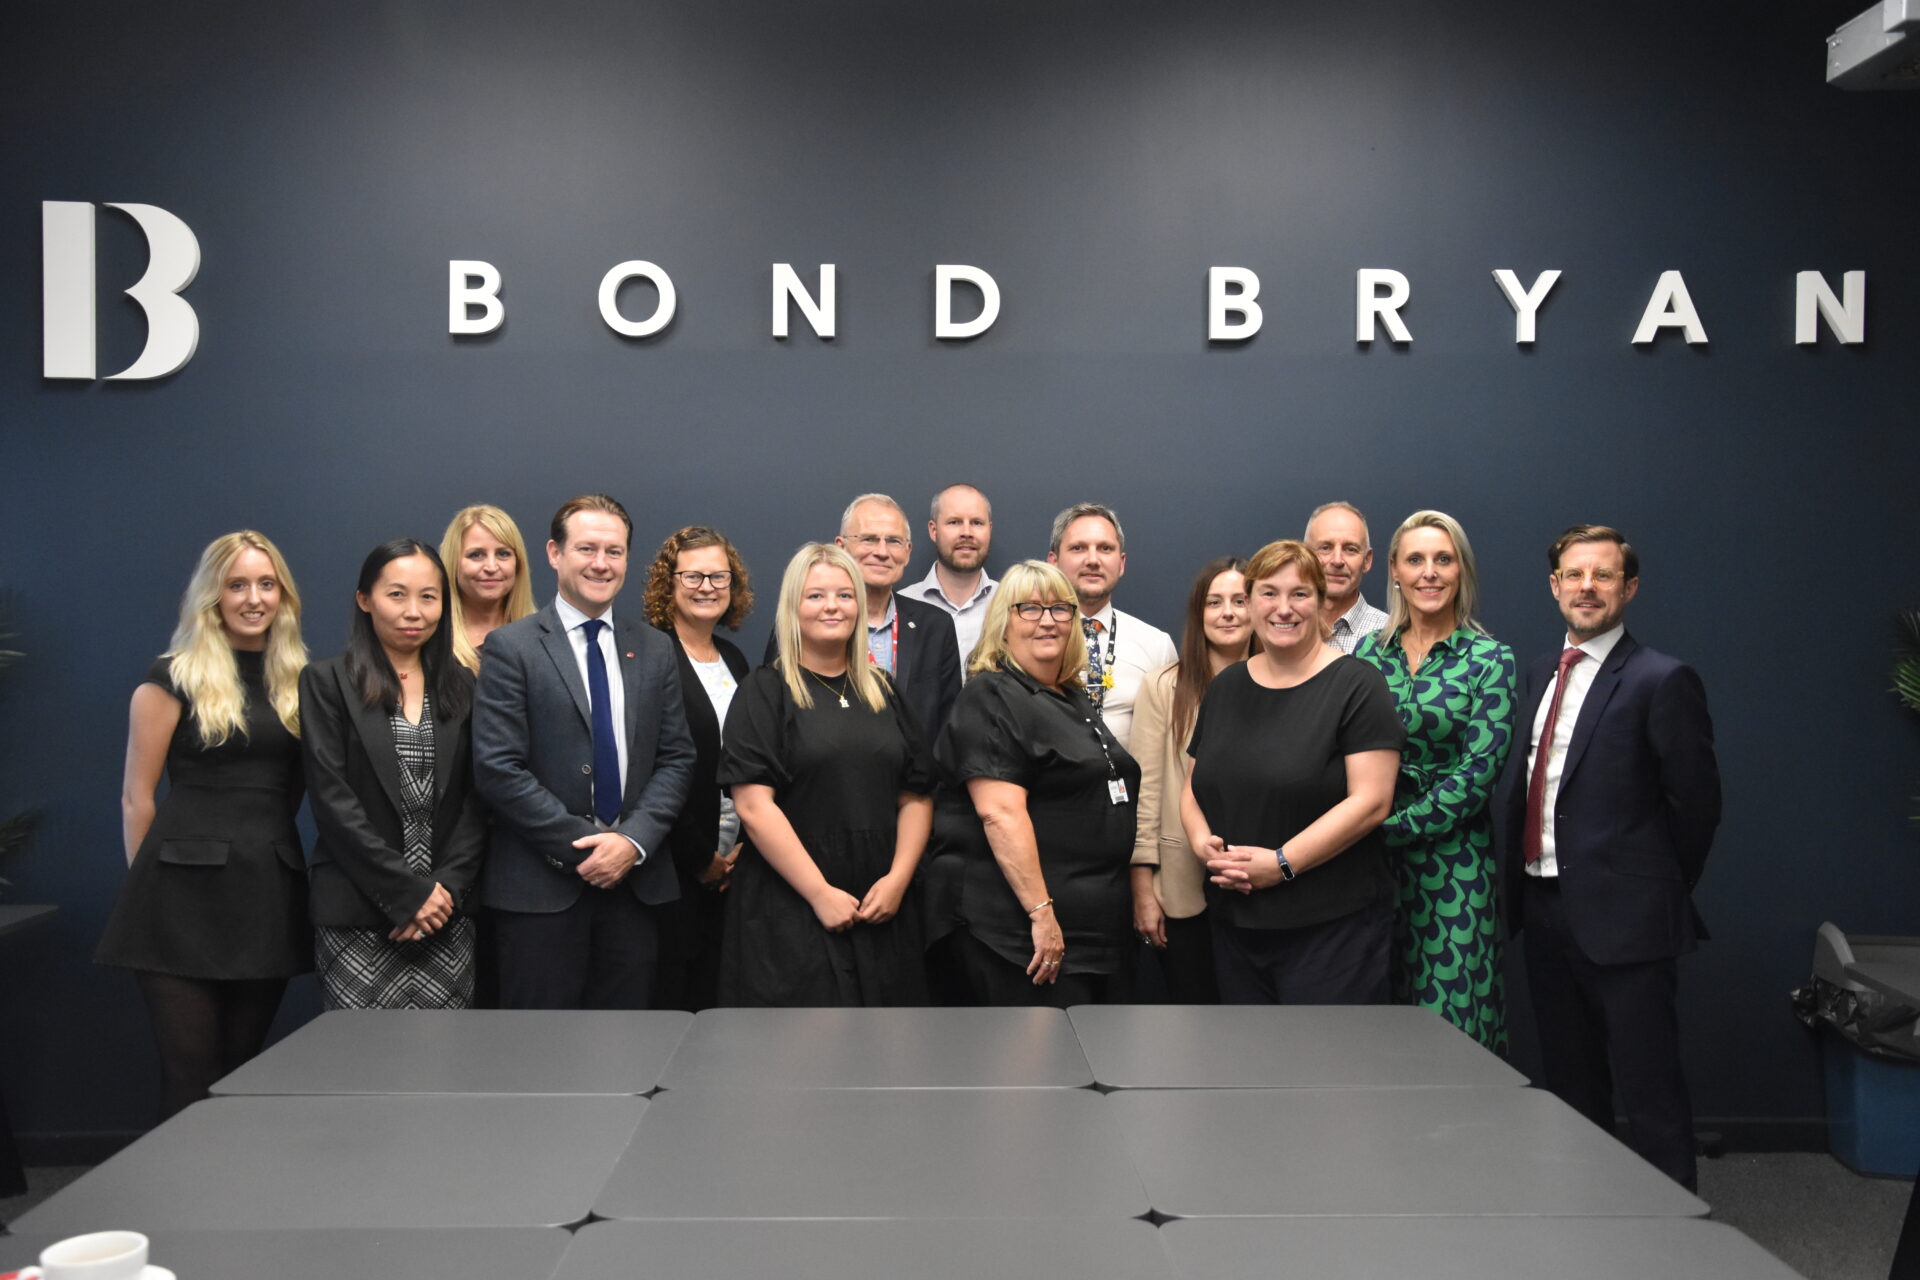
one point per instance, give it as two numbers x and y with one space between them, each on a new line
967 616
1138 648
1579 680
571 618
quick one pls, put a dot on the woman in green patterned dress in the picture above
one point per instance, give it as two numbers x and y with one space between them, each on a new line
1453 686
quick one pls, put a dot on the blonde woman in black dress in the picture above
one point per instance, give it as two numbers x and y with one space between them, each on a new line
830 779
390 771
213 916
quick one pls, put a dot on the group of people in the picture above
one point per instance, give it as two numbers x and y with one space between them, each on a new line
960 791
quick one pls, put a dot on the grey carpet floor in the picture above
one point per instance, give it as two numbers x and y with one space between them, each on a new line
1808 1210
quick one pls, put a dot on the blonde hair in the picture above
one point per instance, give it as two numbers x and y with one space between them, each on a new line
1023 582
1465 601
200 658
861 674
519 599
1275 556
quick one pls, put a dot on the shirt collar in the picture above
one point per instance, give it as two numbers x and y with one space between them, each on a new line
887 621
571 618
928 589
1601 645
1359 610
1104 617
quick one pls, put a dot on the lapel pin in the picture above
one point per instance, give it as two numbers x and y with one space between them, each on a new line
629 653
911 624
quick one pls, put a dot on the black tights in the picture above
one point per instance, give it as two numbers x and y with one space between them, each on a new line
205 1028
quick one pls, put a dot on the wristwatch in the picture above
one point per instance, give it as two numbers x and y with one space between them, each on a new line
1286 868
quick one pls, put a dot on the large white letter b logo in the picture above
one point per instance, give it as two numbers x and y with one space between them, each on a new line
173 258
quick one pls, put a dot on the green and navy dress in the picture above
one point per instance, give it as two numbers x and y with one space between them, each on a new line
1458 712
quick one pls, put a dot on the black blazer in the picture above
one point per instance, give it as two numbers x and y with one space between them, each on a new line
696 831
1638 805
928 671
359 877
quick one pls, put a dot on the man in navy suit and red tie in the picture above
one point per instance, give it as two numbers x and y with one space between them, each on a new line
581 750
1608 816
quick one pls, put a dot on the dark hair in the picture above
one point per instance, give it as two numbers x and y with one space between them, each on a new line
447 682
587 502
1194 672
1594 533
659 597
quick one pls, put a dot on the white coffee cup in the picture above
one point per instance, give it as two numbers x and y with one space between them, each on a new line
100 1255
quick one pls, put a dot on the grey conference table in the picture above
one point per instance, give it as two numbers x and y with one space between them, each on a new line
520 1051
405 1253
880 1153
1467 1249
233 1164
921 1250
1359 1152
1248 1047
878 1049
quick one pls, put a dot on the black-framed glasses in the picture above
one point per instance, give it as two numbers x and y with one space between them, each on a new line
1060 611
692 580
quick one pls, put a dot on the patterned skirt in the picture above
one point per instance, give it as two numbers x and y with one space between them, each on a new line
361 969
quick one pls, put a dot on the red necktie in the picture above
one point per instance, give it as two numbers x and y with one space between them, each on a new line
1537 784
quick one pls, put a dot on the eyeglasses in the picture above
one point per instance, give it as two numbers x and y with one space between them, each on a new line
1031 610
1599 577
691 580
868 541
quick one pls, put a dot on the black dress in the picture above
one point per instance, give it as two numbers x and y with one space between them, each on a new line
837 771
1009 727
218 889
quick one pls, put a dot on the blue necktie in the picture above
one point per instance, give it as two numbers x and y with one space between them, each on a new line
606 752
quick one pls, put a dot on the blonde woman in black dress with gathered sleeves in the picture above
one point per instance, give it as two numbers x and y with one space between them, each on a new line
213 916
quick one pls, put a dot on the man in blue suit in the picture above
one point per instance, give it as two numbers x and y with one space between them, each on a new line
1608 816
581 749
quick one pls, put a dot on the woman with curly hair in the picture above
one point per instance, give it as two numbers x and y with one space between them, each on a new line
697 584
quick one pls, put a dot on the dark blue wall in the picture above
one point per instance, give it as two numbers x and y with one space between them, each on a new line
1097 158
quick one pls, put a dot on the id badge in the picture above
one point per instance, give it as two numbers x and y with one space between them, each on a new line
1117 790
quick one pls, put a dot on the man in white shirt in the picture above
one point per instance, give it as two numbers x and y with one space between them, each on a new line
1337 534
1611 800
1090 549
961 526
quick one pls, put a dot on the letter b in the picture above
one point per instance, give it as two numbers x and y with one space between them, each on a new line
173 259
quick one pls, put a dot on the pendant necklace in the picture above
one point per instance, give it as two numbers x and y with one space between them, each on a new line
821 680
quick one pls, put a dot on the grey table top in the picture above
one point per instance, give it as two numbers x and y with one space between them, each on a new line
1300 1046
1468 1249
878 1049
19 916
521 1051
1119 1249
1307 1152
881 1153
235 1164
405 1253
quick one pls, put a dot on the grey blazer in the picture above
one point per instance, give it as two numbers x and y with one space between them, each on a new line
533 761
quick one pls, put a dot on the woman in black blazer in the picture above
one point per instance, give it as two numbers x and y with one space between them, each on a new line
390 779
697 583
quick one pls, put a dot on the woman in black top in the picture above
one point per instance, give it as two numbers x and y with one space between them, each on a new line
1295 752
1037 806
389 756
698 583
830 778
213 917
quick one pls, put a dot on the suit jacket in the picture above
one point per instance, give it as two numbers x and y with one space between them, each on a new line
697 831
533 761
359 877
1638 804
1160 840
927 671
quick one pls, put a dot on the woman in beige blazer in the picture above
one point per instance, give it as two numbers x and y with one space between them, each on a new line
1169 900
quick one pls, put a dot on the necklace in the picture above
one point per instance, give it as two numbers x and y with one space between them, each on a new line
840 693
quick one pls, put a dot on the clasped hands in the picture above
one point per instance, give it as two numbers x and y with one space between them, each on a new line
837 910
612 856
429 919
1243 867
